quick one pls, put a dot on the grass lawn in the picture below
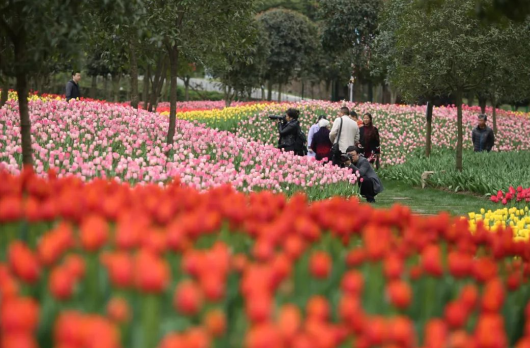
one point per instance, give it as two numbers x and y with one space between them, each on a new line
430 200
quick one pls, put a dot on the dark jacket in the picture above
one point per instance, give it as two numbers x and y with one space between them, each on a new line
374 146
366 171
321 145
288 133
483 139
72 90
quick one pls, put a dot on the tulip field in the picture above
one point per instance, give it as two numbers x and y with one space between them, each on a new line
115 239
101 264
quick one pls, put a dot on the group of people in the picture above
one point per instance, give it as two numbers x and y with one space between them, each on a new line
350 143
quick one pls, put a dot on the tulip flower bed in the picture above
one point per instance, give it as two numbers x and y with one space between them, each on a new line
402 128
102 264
519 196
108 140
517 219
483 173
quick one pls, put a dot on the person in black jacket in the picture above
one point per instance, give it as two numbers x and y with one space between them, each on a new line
369 182
369 141
290 133
482 136
72 87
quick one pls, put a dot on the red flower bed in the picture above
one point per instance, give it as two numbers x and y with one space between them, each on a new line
103 264
512 195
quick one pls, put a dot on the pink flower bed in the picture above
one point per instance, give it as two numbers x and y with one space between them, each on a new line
109 140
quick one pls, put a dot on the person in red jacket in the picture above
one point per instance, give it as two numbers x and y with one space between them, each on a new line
321 145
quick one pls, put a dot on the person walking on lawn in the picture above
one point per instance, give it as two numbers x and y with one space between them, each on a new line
72 87
482 135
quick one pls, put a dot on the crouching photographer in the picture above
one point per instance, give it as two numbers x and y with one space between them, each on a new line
369 182
291 137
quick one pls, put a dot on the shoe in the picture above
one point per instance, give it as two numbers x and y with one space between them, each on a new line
370 200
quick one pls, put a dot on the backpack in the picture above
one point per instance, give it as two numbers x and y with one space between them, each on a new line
300 143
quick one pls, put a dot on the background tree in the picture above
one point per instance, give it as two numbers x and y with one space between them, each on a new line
442 51
223 25
292 39
508 78
349 28
239 75
33 37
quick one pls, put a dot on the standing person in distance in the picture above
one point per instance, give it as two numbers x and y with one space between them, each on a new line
291 133
72 87
482 136
314 128
354 117
369 182
345 133
369 141
321 144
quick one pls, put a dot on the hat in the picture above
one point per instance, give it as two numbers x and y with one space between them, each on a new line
323 123
483 117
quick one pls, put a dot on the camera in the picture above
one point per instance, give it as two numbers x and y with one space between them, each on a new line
278 118
346 157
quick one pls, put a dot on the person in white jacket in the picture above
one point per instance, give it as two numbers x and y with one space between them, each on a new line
349 135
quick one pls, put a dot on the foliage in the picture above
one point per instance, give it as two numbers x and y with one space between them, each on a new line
485 173
292 43
349 29
308 8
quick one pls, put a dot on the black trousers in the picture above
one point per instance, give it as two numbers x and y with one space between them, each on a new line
367 188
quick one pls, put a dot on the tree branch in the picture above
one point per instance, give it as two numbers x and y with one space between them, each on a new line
10 32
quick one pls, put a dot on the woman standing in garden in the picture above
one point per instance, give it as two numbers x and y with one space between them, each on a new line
312 131
291 134
321 145
369 141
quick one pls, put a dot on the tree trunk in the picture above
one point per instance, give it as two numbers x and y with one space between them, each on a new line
470 99
269 91
494 114
133 61
228 95
303 85
145 93
22 91
93 87
357 92
160 67
25 123
187 87
5 91
482 102
173 65
428 138
262 92
460 139
370 91
106 91
116 87
384 93
279 93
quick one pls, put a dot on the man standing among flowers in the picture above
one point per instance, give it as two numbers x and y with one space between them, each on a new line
482 136
345 132
72 87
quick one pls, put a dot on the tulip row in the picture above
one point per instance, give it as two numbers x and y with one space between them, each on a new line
517 219
402 128
519 195
93 140
101 264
